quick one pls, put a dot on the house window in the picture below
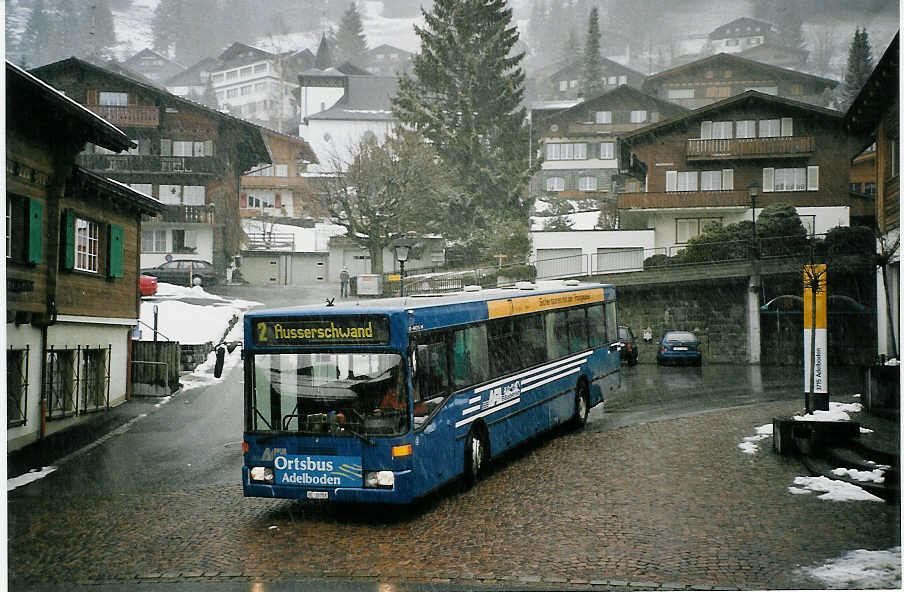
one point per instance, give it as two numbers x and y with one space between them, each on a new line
118 99
638 116
566 151
688 228
245 72
681 180
281 170
232 93
808 222
93 378
623 79
16 386
86 241
745 128
612 80
732 42
770 128
218 77
185 241
587 183
791 179
604 116
607 150
555 184
787 127
193 195
232 75
182 148
680 93
258 68
573 84
563 85
153 241
246 90
260 202
716 130
718 92
59 383
710 180
797 90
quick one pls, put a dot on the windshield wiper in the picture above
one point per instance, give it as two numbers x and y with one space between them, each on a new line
361 437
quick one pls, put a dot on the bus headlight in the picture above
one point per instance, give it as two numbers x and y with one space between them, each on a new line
262 474
379 479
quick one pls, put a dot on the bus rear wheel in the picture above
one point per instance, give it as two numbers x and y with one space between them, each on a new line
476 453
581 404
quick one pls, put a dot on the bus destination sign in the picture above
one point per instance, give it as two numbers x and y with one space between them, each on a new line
328 330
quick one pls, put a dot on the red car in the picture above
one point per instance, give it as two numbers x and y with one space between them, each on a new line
148 285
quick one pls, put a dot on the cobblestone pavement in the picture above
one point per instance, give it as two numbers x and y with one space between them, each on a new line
663 505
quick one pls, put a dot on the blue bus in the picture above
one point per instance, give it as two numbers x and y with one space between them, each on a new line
386 400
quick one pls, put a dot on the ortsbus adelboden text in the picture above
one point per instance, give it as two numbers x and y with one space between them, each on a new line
386 400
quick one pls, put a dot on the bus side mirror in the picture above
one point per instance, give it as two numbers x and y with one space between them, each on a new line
218 365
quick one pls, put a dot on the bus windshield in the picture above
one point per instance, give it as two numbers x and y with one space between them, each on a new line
339 394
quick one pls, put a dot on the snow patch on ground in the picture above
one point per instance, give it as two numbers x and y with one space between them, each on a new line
26 478
190 323
836 412
836 491
874 476
860 569
749 446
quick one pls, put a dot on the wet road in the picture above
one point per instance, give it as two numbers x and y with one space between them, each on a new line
652 494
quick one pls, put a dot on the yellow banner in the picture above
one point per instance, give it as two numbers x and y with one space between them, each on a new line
526 304
811 273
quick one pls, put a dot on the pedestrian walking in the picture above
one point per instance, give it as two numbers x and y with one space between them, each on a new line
343 280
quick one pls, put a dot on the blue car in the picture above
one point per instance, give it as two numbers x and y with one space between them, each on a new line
680 347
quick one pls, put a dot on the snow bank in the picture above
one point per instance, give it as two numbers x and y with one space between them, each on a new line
861 569
836 412
748 446
836 491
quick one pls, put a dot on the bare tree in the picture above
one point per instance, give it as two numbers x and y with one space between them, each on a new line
824 48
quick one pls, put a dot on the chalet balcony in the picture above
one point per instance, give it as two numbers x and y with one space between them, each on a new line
789 147
187 214
292 183
128 116
134 163
671 200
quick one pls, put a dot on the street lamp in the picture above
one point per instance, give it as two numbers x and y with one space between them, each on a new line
753 189
402 246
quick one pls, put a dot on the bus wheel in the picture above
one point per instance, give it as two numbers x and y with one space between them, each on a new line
581 404
476 450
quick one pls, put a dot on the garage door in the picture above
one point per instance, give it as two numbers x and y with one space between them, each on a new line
610 260
556 263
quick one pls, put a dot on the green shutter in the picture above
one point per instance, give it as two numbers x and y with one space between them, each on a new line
35 231
68 239
114 251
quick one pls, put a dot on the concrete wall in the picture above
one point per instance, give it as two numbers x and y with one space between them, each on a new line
203 251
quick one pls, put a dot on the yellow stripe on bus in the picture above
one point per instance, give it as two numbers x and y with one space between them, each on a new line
526 304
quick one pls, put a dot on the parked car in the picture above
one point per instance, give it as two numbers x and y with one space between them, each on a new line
680 347
627 345
147 284
177 272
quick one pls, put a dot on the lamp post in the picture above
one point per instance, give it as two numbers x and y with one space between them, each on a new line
402 247
753 189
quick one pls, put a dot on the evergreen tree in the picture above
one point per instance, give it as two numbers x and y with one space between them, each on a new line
324 57
859 67
570 50
592 79
166 25
465 99
98 33
349 41
31 45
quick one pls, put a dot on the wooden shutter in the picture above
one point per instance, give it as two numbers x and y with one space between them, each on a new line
114 251
208 147
35 232
812 178
277 202
768 180
132 99
91 97
671 180
727 179
243 200
787 127
166 147
68 259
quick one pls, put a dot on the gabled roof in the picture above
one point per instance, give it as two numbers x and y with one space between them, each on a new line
192 75
97 130
367 98
751 52
305 151
238 54
735 61
750 96
743 27
147 52
139 201
623 91
879 91
608 66
125 71
386 48
255 147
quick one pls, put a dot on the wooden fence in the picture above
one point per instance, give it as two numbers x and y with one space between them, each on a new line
155 367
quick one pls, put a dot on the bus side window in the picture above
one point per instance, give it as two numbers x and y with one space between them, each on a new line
470 360
505 349
596 325
556 334
533 340
431 374
611 322
577 330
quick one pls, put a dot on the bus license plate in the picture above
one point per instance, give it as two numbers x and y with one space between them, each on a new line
318 495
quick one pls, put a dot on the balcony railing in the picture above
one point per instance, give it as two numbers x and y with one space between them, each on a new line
128 116
682 199
134 163
188 214
750 148
271 241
